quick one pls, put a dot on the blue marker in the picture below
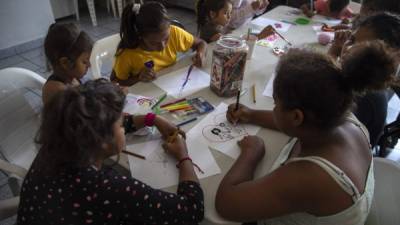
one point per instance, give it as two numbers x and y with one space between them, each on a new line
149 64
186 122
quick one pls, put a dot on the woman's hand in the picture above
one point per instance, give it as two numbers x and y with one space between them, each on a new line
252 148
176 147
242 115
147 75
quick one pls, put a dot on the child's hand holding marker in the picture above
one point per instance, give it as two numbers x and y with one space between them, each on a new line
176 145
240 115
198 59
147 74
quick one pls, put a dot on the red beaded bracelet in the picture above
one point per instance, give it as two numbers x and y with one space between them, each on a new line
149 119
194 164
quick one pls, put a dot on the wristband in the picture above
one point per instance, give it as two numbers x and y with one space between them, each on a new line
149 119
194 164
128 124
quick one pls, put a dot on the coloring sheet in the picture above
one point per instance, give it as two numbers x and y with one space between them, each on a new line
327 20
137 104
172 82
159 169
279 26
269 88
215 131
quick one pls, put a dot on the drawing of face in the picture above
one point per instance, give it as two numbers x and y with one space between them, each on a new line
222 131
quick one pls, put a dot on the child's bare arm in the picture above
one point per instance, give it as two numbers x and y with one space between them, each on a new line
200 46
144 75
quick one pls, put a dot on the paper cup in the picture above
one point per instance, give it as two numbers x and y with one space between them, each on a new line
251 42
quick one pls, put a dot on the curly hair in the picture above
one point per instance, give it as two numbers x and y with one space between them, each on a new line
336 6
314 83
385 26
392 6
76 124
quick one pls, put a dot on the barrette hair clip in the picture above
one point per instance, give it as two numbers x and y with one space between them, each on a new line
135 8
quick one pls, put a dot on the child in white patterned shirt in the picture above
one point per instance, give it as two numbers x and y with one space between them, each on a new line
244 10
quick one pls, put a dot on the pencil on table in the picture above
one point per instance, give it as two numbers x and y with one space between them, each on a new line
134 154
280 35
254 93
237 100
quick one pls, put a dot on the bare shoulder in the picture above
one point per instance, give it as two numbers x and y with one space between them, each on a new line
310 188
50 88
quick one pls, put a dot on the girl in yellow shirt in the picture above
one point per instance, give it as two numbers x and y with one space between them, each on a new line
150 43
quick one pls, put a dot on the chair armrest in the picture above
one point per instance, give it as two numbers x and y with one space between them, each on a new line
8 207
12 168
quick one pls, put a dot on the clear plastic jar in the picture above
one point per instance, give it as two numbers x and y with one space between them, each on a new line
228 65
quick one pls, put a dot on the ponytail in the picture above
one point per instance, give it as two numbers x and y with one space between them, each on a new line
138 22
128 30
201 14
368 66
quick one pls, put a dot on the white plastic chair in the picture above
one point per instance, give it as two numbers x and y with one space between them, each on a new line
92 11
20 106
9 207
385 208
355 6
103 55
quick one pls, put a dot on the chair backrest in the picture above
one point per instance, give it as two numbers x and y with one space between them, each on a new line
20 106
102 57
385 208
355 6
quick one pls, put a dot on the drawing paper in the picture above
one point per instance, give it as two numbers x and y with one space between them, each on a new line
215 131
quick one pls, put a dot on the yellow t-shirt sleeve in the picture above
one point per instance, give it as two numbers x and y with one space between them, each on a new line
182 39
122 67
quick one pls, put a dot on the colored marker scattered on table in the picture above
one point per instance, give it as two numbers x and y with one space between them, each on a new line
186 122
159 101
187 78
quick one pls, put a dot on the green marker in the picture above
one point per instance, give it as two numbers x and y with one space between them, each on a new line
162 98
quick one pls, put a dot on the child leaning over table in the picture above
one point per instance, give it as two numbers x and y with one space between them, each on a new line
243 11
213 17
149 43
68 183
324 174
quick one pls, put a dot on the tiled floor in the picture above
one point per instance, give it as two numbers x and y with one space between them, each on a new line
35 60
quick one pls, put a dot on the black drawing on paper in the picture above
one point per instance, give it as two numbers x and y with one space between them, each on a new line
222 131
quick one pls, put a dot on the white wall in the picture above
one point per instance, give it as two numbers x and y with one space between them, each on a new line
22 21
